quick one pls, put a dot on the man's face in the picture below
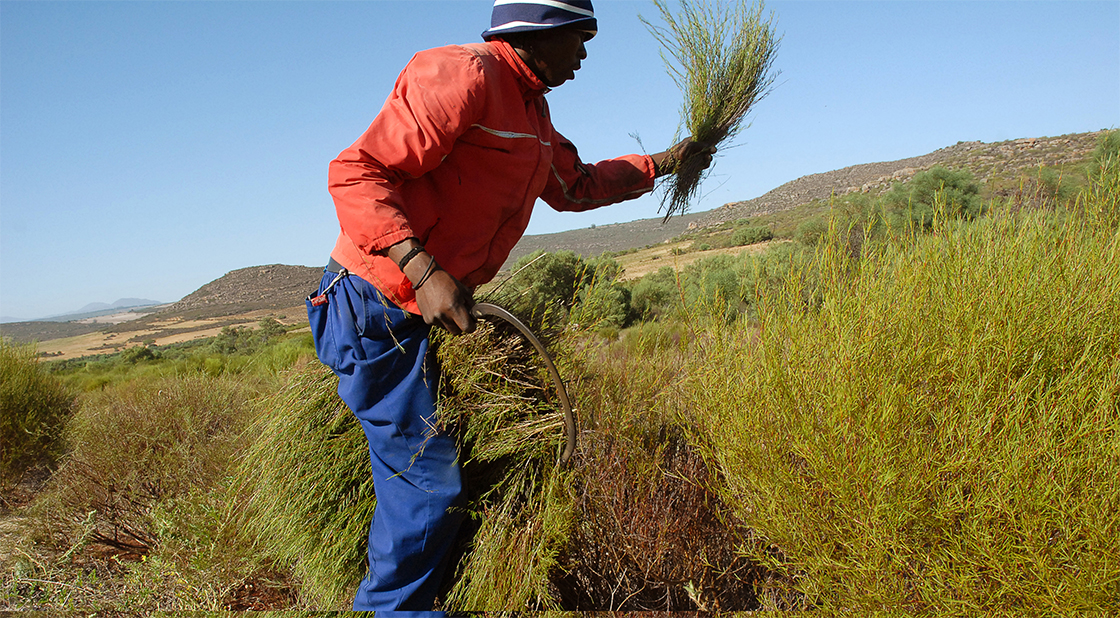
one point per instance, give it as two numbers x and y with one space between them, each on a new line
555 55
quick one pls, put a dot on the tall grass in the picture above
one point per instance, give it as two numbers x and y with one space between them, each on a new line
649 533
539 536
309 495
304 490
134 447
936 429
720 53
498 397
33 407
130 519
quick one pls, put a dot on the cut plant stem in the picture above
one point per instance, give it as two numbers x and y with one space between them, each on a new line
720 53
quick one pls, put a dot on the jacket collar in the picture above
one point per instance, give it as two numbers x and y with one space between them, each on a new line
531 85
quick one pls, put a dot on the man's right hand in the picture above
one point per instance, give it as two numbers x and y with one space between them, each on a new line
443 301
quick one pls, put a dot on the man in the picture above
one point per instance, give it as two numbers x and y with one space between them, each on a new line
430 200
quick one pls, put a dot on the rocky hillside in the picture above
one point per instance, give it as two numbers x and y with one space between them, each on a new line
614 237
276 286
986 161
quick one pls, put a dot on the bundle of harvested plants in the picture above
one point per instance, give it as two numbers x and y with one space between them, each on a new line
307 498
720 54
502 402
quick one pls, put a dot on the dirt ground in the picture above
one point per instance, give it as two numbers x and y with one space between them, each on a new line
641 263
163 332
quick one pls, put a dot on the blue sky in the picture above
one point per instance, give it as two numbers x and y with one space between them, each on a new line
147 148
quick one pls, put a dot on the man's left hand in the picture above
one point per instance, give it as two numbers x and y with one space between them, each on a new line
667 162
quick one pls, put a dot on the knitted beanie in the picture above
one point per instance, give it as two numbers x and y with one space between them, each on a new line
527 15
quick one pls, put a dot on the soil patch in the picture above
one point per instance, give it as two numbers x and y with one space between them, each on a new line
641 263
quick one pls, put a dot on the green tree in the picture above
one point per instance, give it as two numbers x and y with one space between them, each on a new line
546 281
655 294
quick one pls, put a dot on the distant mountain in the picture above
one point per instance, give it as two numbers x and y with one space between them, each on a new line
124 303
91 310
269 287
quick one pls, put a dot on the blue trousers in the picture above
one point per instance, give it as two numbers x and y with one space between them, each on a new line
389 380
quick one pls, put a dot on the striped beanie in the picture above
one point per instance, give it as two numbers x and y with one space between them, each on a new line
527 15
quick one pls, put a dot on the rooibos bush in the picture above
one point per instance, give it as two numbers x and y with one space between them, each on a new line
720 54
136 445
33 406
937 432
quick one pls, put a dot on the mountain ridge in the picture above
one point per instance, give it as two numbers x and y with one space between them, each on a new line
986 161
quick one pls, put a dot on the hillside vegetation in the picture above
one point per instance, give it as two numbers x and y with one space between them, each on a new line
896 401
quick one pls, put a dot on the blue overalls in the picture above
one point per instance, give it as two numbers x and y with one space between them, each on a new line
389 381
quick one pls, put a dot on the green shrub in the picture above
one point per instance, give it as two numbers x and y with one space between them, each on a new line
544 282
719 286
1046 189
33 407
938 433
137 354
1106 156
305 495
602 304
135 446
308 496
750 235
244 340
655 294
548 286
810 231
716 285
958 192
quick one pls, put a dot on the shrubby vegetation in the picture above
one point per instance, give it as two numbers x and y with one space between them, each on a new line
33 407
939 430
237 350
897 413
953 191
136 446
750 235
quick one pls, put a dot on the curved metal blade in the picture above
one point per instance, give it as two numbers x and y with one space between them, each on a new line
491 311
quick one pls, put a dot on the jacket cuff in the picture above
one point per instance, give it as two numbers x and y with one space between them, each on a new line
381 244
651 169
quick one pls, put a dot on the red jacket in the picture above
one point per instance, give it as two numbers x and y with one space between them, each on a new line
457 157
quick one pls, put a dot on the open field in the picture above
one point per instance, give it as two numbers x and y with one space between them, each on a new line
640 263
162 332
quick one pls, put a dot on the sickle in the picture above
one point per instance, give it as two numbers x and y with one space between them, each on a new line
490 312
